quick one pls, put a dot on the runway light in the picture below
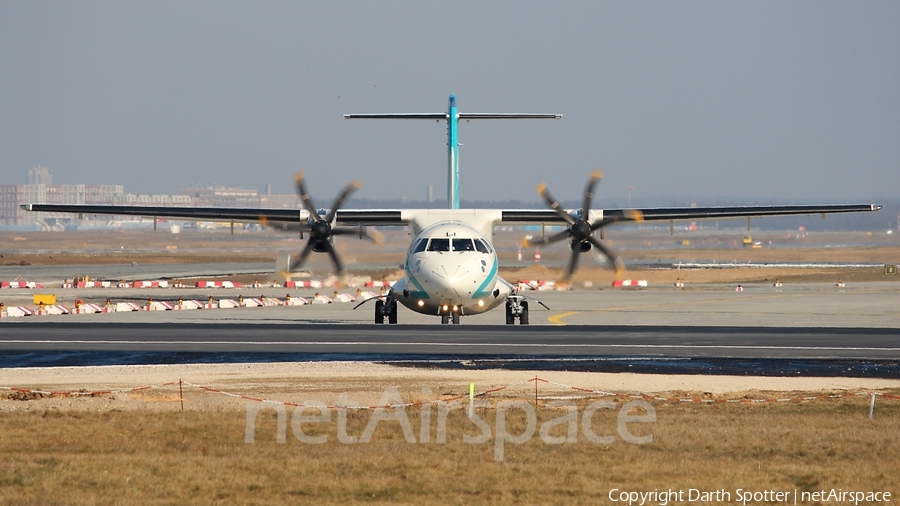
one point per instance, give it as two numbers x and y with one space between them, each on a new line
480 303
421 303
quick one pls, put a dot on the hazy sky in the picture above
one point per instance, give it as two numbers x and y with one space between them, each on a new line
745 99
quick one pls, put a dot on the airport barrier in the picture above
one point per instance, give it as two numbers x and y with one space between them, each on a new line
51 309
218 284
536 396
17 311
630 283
546 285
90 309
20 284
80 307
150 284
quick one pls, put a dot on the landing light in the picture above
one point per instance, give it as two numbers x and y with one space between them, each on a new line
455 308
421 303
445 307
480 303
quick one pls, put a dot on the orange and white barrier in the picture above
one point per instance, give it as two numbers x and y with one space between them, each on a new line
150 284
739 288
379 284
343 297
540 285
127 306
158 305
217 284
321 299
183 305
90 309
20 284
629 283
295 301
91 284
51 309
17 311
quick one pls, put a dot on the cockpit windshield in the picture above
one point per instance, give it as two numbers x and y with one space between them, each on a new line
451 244
439 245
419 246
463 245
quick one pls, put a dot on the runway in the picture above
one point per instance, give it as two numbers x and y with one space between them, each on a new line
755 332
480 340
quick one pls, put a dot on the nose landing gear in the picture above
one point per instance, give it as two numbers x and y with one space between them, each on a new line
516 307
450 314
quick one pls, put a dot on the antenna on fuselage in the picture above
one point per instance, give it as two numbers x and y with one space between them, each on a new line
452 117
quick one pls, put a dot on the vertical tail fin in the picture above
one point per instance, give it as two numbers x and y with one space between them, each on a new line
452 116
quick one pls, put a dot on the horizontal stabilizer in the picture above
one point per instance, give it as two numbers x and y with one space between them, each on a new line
400 115
514 115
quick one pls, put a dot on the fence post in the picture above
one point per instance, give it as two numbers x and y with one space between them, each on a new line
181 394
872 406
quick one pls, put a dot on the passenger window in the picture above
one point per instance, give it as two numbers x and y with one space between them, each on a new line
482 246
463 245
419 246
439 245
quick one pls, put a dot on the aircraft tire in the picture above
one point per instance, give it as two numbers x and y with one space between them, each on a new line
456 318
379 312
510 319
445 318
392 317
523 318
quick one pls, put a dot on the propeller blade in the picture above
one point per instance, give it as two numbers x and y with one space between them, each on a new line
630 215
339 201
335 259
565 234
573 261
554 204
376 236
305 198
284 226
611 255
302 258
589 193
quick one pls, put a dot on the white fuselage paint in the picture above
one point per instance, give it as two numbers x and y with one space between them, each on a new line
451 264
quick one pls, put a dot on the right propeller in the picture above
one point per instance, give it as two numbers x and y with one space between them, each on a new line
581 230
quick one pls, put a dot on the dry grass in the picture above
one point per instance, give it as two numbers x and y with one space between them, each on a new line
200 457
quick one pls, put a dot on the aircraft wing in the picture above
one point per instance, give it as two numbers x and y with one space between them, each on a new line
289 219
687 213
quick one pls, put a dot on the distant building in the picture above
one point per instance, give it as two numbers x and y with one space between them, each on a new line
41 190
221 196
40 175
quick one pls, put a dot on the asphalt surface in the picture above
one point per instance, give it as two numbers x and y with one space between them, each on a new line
798 329
480 340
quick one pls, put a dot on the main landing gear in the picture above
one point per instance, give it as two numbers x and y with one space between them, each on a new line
516 307
388 308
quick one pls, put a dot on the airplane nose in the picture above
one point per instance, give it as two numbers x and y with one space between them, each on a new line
448 280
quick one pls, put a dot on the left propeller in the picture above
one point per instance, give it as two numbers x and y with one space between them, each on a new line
581 230
320 228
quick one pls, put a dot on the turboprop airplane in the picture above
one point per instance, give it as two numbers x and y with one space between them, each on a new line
451 266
